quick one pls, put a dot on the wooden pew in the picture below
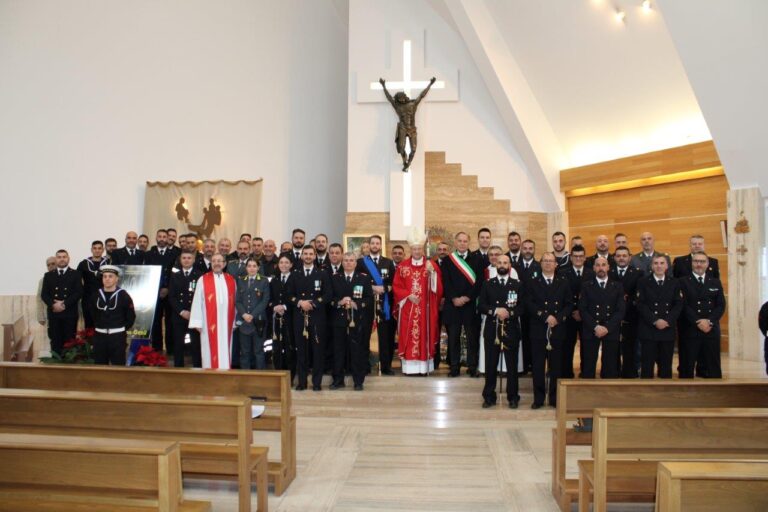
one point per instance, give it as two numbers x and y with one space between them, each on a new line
712 486
214 432
579 398
59 473
266 387
628 444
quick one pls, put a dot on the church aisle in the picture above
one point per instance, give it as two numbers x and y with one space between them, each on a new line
421 444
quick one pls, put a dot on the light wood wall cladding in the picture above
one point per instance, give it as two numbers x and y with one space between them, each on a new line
648 165
671 211
455 202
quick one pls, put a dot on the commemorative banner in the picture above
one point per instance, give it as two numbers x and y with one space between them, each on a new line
142 282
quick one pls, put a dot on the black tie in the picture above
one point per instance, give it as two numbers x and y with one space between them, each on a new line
284 278
162 253
578 273
186 273
621 273
661 283
602 284
296 255
376 260
131 252
307 271
61 272
701 280
349 279
549 281
503 282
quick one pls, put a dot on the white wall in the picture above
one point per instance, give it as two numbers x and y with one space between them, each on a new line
470 130
99 97
723 48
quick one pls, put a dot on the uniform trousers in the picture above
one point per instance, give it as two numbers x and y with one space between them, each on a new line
109 348
492 353
653 352
539 358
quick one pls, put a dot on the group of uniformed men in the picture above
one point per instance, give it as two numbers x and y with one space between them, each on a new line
629 308
320 305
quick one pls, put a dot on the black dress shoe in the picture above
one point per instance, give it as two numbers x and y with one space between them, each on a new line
299 387
358 387
553 404
535 406
387 372
513 404
336 385
317 388
454 373
474 374
487 404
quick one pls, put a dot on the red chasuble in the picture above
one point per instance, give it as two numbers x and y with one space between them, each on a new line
417 326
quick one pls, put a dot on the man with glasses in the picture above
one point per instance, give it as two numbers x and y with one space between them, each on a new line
704 306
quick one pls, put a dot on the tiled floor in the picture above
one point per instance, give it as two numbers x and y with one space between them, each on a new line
420 443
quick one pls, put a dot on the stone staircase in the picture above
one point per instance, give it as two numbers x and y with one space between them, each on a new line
454 202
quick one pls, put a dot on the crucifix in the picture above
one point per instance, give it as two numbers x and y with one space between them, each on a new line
406 62
405 137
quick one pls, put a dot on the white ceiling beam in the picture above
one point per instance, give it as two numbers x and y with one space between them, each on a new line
524 118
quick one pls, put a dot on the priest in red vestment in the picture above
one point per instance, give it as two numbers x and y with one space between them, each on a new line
213 314
418 288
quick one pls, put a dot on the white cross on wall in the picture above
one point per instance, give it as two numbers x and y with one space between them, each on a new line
407 85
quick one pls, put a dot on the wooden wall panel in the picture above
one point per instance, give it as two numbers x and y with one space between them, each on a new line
658 163
672 212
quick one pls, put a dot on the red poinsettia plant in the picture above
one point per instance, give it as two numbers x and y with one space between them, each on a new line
147 356
78 350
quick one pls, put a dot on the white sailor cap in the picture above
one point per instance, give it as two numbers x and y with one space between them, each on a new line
112 269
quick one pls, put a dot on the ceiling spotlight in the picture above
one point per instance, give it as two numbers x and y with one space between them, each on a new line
647 5
620 16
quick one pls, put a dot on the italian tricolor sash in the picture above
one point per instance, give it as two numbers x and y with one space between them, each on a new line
464 267
211 313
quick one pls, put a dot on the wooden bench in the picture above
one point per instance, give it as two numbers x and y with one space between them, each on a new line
266 387
712 486
579 398
214 432
58 473
628 444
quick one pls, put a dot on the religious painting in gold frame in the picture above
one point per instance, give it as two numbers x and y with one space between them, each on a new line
354 241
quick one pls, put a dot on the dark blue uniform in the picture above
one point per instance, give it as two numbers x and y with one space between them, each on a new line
628 277
601 304
543 299
348 325
283 348
309 329
65 285
656 302
704 299
509 296
181 291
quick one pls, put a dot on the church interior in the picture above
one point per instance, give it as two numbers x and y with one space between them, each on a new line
632 121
